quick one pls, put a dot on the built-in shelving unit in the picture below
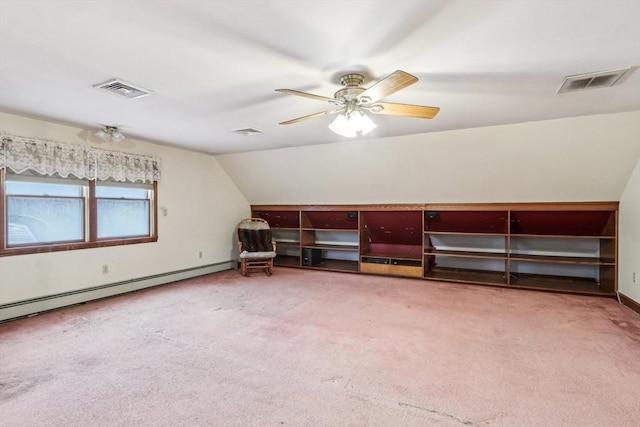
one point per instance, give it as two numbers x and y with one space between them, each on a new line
391 242
285 230
466 246
564 249
329 240
568 247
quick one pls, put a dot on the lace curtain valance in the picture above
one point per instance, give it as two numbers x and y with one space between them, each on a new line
21 154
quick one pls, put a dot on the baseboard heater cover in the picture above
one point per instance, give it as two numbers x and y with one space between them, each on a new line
32 306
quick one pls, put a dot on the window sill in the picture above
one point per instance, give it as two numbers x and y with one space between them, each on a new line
58 247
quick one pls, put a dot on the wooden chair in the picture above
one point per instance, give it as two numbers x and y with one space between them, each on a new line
256 246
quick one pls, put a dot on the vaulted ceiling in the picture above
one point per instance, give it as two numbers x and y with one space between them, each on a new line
213 66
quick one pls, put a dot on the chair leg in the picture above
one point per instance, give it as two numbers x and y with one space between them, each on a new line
269 267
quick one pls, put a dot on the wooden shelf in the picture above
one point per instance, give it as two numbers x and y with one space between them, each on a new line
467 276
392 270
564 247
466 233
467 254
287 261
333 247
562 259
556 283
336 265
394 254
287 243
560 236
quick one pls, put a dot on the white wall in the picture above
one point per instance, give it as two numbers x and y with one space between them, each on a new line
203 207
575 159
629 238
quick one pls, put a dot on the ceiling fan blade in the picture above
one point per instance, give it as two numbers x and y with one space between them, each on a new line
306 95
389 85
407 110
311 116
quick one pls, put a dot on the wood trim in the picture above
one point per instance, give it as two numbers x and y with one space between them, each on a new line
628 302
92 224
24 250
154 231
392 207
529 206
311 208
3 219
93 212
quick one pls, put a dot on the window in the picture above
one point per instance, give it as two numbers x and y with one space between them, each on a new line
124 210
41 211
57 197
43 214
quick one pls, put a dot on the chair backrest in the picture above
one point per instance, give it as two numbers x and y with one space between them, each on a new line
255 235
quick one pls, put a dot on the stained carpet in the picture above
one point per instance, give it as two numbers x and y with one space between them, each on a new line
309 348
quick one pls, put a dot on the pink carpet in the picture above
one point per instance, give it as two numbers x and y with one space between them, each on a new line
307 348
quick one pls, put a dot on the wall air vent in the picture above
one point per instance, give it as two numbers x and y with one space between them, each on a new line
591 80
122 88
247 131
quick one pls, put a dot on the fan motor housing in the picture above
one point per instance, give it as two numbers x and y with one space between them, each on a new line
352 87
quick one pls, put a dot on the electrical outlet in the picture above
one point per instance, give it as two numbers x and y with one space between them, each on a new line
634 277
200 254
105 269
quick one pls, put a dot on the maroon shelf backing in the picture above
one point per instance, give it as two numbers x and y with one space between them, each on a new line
395 228
566 223
395 251
466 221
338 220
279 219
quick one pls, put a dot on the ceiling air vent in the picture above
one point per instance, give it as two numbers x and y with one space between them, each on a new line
591 80
247 131
122 88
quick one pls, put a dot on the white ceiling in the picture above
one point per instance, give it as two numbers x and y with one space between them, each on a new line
213 65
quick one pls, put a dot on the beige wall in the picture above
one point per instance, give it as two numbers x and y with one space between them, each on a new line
203 207
629 239
574 159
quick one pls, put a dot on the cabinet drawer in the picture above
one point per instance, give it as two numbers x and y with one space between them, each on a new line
392 270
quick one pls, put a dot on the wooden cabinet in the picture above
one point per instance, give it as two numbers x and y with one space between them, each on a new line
566 250
569 247
329 239
391 242
285 230
466 246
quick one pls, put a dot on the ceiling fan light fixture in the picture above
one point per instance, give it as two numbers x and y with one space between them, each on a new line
110 134
350 126
341 126
101 135
117 137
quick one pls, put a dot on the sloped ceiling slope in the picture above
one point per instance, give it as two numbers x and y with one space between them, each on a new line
213 66
586 158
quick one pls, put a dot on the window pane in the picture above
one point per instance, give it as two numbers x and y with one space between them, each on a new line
121 192
123 218
42 189
44 220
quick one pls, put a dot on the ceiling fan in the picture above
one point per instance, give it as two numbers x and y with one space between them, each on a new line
354 98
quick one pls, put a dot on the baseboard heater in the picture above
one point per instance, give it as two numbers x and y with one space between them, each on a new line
50 302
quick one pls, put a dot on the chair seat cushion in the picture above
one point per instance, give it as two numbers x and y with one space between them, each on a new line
255 240
257 255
